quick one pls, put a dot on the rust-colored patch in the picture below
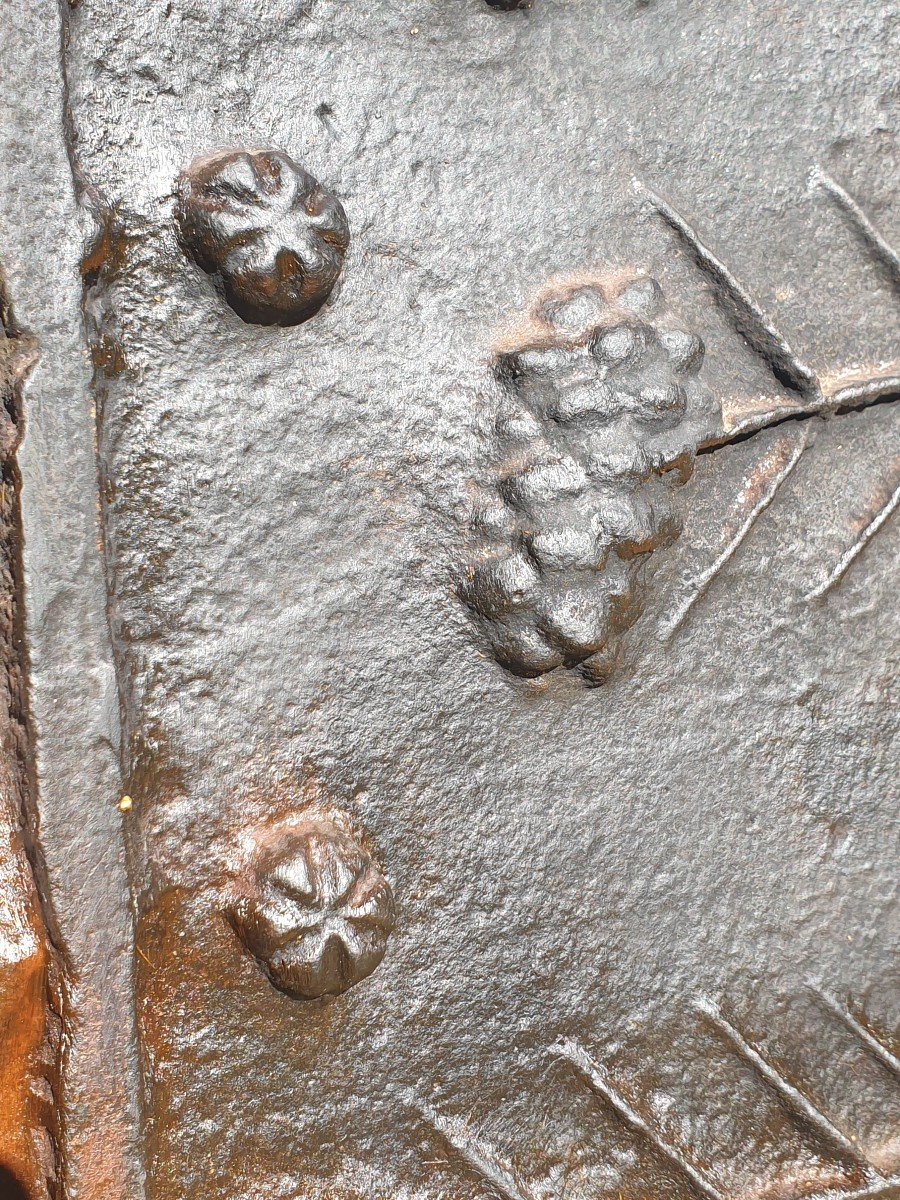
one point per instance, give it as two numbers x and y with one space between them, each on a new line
28 1028
531 330
24 966
107 355
106 255
26 1024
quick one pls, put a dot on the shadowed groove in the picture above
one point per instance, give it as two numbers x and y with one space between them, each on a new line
10 1187
789 1094
34 965
594 1077
865 390
748 318
881 249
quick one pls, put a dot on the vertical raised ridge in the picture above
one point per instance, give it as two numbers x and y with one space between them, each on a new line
45 218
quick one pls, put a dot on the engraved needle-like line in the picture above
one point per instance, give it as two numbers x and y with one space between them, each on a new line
475 1153
880 247
749 319
847 558
596 1081
701 582
869 1040
791 1095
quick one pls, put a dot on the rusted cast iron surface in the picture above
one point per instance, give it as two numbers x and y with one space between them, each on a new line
71 693
31 986
459 585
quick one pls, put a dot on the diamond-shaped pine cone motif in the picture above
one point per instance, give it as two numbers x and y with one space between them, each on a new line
603 414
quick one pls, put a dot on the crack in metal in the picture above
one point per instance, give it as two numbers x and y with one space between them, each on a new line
850 398
832 396
820 396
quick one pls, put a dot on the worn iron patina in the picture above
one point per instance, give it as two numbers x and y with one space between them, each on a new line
448 581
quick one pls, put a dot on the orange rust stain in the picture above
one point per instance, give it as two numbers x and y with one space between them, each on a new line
108 356
24 980
107 254
530 330
758 479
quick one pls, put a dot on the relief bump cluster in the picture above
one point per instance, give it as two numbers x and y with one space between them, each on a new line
312 906
603 413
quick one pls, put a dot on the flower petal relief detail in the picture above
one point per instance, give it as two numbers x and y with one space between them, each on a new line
273 235
312 907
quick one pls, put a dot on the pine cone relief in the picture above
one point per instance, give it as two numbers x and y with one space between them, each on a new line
603 415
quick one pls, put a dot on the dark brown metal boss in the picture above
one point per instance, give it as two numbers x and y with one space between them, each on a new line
275 237
312 907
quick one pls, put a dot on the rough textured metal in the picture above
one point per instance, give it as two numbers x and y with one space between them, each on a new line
604 419
645 940
30 982
61 612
